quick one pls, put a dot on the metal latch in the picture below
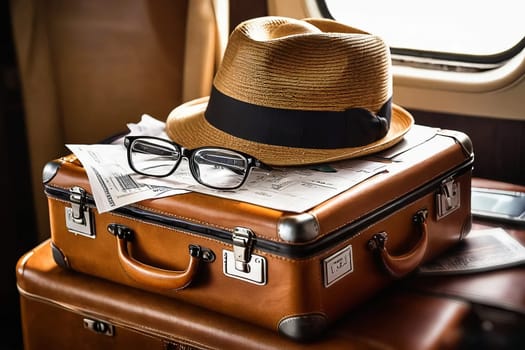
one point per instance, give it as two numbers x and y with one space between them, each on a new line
448 198
242 263
99 327
78 216
242 248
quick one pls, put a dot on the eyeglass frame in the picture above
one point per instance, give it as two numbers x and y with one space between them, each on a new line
251 162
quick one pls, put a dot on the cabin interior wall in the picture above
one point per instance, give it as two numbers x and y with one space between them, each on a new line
499 144
499 147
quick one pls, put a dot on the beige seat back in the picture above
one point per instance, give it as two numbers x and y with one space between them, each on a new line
88 67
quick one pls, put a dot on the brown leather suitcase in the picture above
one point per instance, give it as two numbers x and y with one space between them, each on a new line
291 272
62 309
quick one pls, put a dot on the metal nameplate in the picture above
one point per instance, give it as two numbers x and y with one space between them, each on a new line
256 268
337 265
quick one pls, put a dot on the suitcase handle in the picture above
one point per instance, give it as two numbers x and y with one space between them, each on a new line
151 276
400 265
154 277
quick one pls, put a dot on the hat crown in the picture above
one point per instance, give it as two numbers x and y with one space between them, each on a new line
285 63
277 29
292 92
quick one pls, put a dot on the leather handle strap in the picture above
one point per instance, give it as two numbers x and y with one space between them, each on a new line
151 276
154 277
400 265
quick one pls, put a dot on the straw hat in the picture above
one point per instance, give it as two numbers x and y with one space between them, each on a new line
294 92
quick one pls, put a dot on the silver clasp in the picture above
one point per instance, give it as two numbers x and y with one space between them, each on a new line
241 263
448 198
242 248
78 216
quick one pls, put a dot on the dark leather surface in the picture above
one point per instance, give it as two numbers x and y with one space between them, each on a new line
55 301
500 288
497 298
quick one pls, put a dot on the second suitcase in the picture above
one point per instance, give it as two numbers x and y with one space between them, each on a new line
62 309
295 273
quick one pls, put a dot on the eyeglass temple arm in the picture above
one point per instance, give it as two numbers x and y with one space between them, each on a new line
151 148
236 169
263 166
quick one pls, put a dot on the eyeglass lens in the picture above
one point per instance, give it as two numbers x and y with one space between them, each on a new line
154 157
213 167
219 168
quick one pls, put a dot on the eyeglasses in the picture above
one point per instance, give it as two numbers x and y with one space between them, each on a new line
214 167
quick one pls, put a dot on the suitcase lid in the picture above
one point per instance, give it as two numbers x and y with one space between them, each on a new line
411 174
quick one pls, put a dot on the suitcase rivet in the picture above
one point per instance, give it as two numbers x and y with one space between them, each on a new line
99 327
208 256
198 252
121 231
378 241
195 251
421 216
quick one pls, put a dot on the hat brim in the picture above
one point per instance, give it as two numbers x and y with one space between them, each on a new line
187 126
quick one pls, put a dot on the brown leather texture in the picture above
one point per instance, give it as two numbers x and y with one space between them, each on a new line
504 289
294 286
55 302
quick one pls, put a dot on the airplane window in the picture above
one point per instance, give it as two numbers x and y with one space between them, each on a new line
478 31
